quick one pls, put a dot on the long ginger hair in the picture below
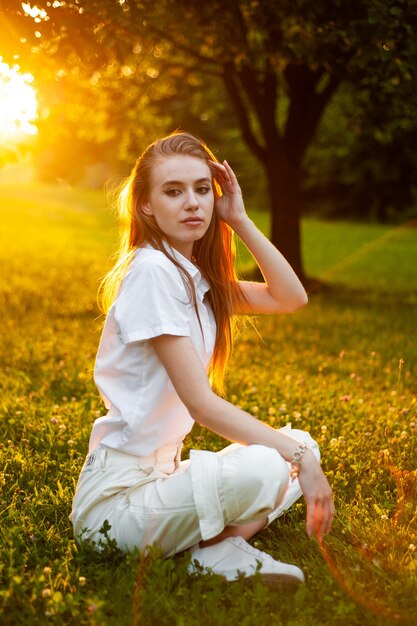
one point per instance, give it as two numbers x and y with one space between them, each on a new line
213 254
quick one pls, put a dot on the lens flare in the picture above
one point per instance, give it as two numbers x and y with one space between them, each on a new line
18 104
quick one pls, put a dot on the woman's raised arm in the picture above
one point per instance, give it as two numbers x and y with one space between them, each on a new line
282 291
189 378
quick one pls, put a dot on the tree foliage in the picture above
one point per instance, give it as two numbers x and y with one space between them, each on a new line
280 63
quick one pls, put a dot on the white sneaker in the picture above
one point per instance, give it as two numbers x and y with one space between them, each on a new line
234 556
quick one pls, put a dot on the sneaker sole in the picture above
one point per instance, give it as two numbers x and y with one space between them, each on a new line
273 581
280 581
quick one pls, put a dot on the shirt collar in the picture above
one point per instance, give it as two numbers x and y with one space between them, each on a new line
201 284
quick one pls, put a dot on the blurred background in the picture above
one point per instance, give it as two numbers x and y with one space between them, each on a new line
314 105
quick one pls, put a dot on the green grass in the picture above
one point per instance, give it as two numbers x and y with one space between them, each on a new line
343 368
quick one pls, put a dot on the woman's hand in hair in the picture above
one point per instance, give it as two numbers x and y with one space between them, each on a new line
229 206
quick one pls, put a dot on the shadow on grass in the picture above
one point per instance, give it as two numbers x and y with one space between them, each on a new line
347 295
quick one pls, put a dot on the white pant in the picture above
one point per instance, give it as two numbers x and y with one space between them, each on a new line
176 504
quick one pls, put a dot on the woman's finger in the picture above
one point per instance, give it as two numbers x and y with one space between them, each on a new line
316 519
319 518
325 512
221 179
310 520
229 170
330 515
232 176
324 520
220 169
226 172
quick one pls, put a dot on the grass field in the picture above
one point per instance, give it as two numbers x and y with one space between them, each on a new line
344 367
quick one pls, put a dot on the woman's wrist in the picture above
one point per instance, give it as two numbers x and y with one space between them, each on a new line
301 456
239 224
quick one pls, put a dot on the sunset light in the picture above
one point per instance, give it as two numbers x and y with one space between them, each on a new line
180 183
18 103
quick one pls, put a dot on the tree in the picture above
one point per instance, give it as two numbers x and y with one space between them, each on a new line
279 62
364 161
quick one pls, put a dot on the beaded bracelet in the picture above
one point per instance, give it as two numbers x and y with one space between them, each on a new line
296 460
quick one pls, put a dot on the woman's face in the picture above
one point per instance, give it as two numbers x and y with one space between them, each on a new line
181 200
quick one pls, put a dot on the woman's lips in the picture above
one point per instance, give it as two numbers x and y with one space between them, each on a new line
196 221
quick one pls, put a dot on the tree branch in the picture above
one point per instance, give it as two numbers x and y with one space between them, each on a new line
165 35
263 101
235 97
189 68
270 88
306 107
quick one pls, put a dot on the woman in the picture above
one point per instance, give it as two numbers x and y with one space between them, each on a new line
170 300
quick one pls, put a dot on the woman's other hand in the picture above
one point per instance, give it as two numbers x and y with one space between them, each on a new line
318 496
230 205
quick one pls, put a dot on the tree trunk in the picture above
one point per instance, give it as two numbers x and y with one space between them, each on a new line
284 197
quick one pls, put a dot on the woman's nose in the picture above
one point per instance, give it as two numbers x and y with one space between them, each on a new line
192 202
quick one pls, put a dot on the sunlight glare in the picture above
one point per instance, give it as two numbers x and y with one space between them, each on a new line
18 103
34 12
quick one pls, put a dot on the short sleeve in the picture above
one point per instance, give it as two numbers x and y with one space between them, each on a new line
152 301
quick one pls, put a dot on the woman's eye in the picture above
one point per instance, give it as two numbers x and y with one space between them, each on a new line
203 190
172 192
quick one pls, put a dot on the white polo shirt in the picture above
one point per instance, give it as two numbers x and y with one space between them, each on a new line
144 410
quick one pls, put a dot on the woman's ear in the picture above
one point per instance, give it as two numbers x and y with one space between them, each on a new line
146 209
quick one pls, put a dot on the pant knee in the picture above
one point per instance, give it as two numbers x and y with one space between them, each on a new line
260 480
260 464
